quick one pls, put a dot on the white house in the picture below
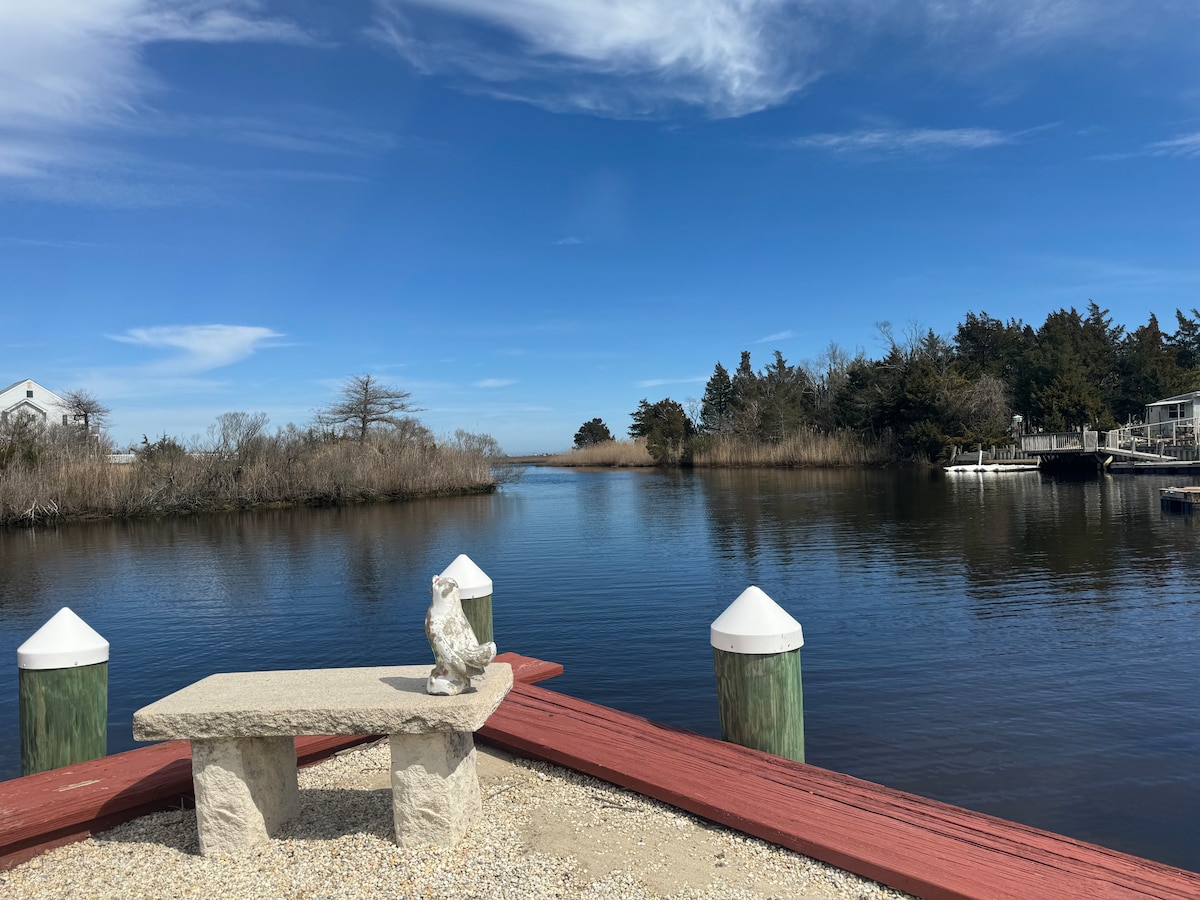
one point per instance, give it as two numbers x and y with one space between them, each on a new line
1173 413
31 398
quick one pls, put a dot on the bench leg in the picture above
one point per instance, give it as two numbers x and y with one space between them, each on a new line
245 789
435 787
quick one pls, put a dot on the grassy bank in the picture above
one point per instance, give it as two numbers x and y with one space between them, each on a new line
806 448
165 480
813 449
619 454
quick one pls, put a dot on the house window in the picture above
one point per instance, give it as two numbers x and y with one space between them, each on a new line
1175 410
64 418
29 394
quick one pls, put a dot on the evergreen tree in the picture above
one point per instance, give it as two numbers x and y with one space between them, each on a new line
1149 371
716 407
666 428
745 400
593 432
785 393
1186 340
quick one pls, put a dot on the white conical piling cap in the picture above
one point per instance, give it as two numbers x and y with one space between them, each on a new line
65 641
754 623
472 582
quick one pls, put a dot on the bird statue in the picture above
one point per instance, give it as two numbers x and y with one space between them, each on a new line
458 652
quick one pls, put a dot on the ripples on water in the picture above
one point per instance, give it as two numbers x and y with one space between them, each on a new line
1012 644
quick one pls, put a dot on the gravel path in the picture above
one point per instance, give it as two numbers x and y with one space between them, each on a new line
547 833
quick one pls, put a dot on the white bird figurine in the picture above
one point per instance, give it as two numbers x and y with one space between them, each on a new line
458 652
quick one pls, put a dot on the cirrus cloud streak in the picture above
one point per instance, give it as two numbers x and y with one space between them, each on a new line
199 348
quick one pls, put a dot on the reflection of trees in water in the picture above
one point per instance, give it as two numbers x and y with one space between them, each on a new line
788 514
1011 539
1064 542
59 566
238 564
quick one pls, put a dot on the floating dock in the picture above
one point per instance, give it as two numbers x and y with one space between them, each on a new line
1180 499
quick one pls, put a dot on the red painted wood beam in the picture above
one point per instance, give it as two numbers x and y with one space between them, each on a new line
926 848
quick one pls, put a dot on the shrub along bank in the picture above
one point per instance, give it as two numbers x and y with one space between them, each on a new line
60 477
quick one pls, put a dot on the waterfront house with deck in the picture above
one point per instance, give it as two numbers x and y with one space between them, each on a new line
1173 418
30 398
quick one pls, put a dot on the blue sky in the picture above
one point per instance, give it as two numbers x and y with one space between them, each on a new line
530 213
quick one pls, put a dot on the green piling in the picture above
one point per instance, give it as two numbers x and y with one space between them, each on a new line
475 592
756 660
62 690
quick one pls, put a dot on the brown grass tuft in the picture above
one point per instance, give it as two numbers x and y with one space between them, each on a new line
803 448
610 453
272 472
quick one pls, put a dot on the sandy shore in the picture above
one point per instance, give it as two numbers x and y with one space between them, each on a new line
547 833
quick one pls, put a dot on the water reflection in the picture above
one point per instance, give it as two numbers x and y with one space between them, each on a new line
1014 644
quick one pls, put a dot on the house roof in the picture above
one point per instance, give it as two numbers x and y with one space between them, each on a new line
1190 395
52 400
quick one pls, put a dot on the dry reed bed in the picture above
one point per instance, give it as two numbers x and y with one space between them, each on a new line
804 448
70 486
814 449
620 454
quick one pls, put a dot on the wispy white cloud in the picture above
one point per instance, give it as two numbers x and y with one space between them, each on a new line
623 57
307 130
74 77
198 348
70 64
495 382
659 382
907 141
1084 274
568 242
36 242
1187 145
777 336
725 57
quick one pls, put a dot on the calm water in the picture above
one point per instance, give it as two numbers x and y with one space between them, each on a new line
1011 644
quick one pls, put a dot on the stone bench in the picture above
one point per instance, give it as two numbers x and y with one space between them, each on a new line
242 727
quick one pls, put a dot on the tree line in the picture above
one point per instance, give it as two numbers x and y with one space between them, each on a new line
926 393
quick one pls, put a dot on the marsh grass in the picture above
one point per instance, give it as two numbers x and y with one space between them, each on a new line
806 448
810 448
619 454
269 472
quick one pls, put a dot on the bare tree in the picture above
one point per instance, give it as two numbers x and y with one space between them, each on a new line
86 410
237 434
364 401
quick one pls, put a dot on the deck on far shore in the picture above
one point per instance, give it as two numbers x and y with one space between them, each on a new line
921 846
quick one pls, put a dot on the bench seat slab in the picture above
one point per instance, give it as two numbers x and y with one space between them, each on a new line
369 700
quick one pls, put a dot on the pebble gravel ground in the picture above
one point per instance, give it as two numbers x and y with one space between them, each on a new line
547 832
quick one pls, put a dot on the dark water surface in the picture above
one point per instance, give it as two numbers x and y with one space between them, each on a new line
1016 645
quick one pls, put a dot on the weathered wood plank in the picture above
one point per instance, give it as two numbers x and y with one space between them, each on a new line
68 804
921 846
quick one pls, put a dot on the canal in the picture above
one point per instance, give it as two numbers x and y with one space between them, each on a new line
1017 645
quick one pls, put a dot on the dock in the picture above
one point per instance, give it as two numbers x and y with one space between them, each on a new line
921 846
1180 499
1084 449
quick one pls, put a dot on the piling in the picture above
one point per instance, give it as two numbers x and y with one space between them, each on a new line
475 592
756 658
63 694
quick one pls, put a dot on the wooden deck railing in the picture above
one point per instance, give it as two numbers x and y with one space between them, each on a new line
1062 441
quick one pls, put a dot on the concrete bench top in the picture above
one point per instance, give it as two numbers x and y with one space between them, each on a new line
373 700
